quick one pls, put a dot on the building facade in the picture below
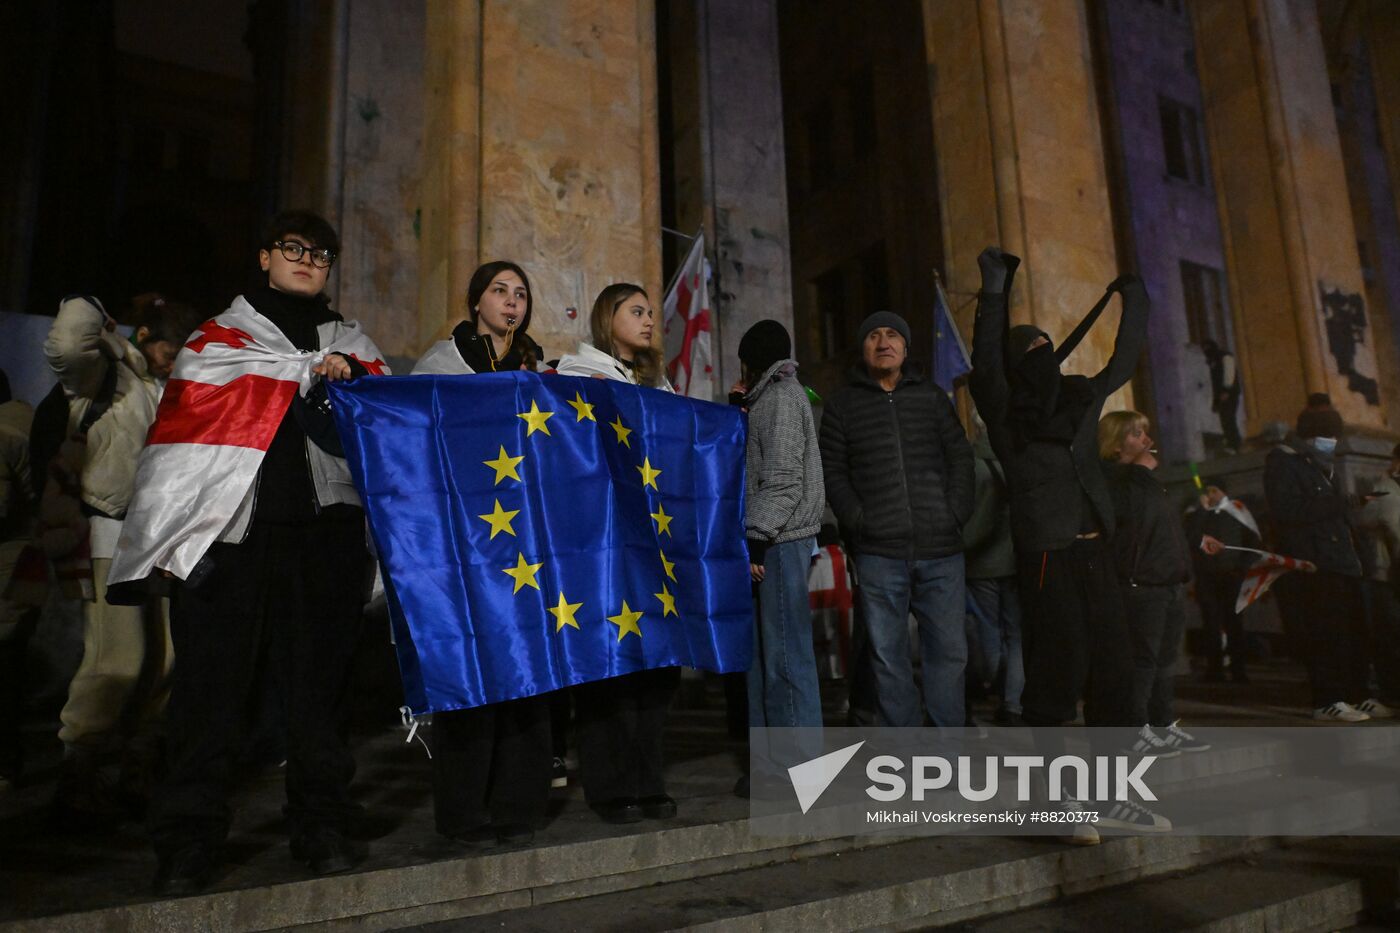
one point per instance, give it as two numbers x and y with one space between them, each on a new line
1240 154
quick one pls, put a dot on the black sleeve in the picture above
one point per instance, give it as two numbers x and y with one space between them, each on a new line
1132 336
836 470
988 383
957 454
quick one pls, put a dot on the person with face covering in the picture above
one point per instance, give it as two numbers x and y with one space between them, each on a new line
1043 426
1309 512
492 763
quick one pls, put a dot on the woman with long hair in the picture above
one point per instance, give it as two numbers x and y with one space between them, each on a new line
491 764
493 337
621 720
621 327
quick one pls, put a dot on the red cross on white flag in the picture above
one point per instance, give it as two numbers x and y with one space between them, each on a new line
688 326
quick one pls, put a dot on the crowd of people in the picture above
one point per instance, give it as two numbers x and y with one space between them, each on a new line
1042 561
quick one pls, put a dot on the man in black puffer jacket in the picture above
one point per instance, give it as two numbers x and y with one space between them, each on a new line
898 472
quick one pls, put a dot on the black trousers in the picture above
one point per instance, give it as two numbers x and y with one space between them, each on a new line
1155 622
13 684
285 603
491 765
1217 596
1384 643
1335 635
1074 637
621 723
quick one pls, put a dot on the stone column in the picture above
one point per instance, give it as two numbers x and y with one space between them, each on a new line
1382 31
731 173
382 147
1290 240
539 146
1021 162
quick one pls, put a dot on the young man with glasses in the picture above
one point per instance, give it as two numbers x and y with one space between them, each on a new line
244 498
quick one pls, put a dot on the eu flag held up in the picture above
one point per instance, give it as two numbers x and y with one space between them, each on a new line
541 531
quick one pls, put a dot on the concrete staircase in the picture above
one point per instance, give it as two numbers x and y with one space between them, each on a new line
707 870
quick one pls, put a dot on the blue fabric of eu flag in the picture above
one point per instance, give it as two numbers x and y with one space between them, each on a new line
537 531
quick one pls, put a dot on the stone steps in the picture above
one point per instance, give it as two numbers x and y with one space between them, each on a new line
1321 885
710 868
919 883
905 885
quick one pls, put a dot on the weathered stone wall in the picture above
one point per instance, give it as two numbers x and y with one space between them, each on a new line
727 161
382 157
1041 138
1152 56
1284 205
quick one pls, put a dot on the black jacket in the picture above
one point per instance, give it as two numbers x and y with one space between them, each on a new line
897 466
1309 512
1051 482
1148 544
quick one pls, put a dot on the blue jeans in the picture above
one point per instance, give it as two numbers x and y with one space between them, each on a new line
933 590
994 613
783 690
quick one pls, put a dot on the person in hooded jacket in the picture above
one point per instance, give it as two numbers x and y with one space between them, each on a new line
491 764
784 502
898 473
1043 426
117 696
1311 522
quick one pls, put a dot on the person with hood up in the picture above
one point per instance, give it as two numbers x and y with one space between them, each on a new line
1043 426
1309 512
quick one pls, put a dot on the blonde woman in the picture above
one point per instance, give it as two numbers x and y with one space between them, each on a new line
1154 563
621 720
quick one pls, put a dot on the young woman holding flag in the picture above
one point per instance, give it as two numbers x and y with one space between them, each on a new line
621 720
491 763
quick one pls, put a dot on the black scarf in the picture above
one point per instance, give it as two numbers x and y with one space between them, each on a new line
296 316
1046 406
479 352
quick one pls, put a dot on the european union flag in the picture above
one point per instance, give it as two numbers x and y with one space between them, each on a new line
950 359
540 531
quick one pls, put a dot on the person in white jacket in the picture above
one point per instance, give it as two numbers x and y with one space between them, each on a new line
492 763
112 385
621 720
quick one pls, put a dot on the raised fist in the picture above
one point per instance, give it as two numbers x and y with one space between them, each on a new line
992 262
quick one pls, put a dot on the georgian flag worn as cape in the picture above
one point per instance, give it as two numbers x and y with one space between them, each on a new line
232 384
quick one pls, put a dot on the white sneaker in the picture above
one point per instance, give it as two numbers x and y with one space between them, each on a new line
1340 712
1150 745
1129 815
1375 709
1083 834
1181 740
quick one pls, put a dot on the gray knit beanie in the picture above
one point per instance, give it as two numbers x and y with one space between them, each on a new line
883 319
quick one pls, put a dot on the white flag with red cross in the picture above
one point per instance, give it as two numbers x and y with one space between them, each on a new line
232 384
1268 568
688 326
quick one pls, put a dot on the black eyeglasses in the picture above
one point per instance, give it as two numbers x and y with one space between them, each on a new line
292 251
